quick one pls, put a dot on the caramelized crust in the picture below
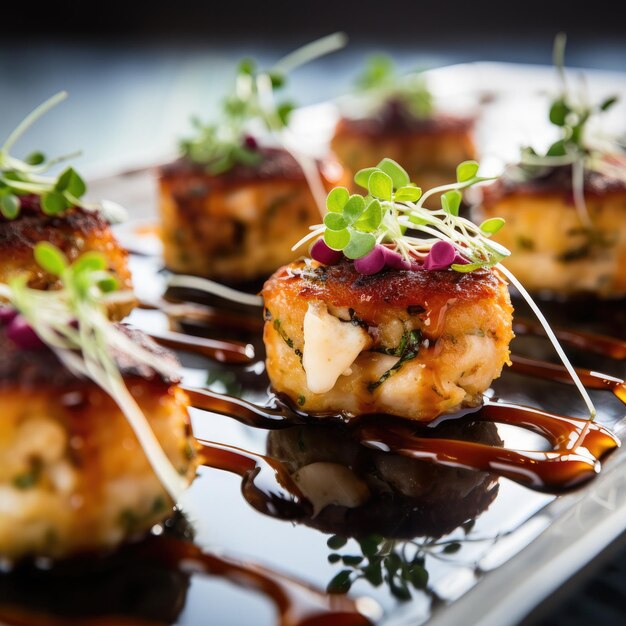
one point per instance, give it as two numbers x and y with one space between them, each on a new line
239 225
389 294
75 232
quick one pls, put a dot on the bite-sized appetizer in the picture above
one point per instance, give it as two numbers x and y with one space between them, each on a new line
557 249
95 438
34 208
396 118
380 321
566 210
237 225
236 199
359 491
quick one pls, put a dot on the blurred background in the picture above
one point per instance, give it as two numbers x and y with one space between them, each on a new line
137 71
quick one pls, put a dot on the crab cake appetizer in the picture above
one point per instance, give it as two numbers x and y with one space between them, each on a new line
36 208
394 116
557 249
238 225
413 326
237 199
90 455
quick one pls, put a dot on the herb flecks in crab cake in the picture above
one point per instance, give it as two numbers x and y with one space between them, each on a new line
36 208
234 202
399 121
565 210
95 442
412 325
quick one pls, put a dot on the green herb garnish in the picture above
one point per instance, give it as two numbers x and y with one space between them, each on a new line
355 224
381 83
250 107
571 113
24 177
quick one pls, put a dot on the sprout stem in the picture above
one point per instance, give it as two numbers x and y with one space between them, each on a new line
31 118
309 52
555 342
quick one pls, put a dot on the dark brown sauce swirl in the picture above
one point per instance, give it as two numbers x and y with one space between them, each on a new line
578 444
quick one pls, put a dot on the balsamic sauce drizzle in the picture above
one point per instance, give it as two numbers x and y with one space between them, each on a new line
577 444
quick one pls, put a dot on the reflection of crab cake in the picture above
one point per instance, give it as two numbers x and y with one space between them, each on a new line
75 232
429 148
73 476
238 225
357 491
413 343
553 249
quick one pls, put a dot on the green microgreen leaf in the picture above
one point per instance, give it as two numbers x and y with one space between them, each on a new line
71 182
605 105
397 173
418 576
371 217
452 548
559 110
50 258
91 261
35 158
9 205
335 221
466 171
336 541
451 202
352 560
284 111
246 66
380 185
362 177
466 268
337 239
108 284
334 558
341 583
359 245
354 208
558 148
408 194
53 203
492 225
337 199
278 79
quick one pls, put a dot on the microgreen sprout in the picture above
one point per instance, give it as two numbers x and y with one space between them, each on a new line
379 222
24 177
20 179
382 84
227 142
571 113
73 322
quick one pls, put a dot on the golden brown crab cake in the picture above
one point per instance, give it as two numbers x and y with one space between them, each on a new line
73 476
239 225
429 148
414 343
554 250
75 232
